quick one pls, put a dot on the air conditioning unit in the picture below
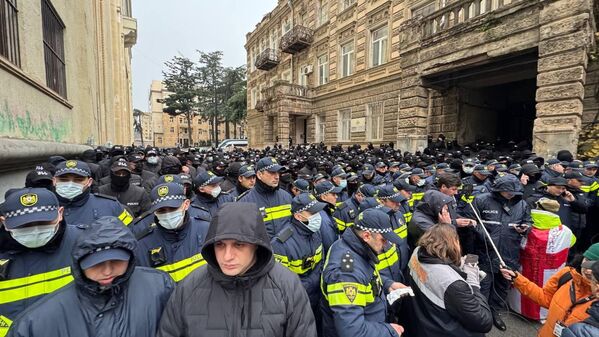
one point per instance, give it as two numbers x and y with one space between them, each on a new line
307 70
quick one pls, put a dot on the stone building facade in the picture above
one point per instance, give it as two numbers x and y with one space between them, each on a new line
169 131
380 71
65 79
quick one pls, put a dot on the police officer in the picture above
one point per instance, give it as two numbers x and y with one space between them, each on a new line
36 260
274 203
152 162
72 182
345 214
354 303
173 240
391 198
299 246
148 178
339 178
39 177
209 194
327 193
300 186
133 197
245 180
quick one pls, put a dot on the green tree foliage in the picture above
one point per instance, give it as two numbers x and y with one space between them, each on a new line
208 89
181 79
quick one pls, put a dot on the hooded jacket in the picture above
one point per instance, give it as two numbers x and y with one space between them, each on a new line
587 328
96 311
268 300
499 215
426 214
445 304
557 299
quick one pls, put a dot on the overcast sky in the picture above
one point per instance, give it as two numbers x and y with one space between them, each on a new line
180 27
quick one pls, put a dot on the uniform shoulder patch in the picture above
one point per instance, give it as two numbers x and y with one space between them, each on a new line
352 213
347 262
242 195
342 206
106 196
284 235
147 231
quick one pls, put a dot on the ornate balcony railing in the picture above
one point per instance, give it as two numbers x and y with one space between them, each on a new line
459 12
297 39
267 60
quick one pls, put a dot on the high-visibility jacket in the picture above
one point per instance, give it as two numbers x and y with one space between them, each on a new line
275 206
353 299
30 274
301 251
176 252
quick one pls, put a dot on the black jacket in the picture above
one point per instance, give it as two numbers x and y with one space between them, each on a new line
131 306
426 214
445 304
134 198
268 300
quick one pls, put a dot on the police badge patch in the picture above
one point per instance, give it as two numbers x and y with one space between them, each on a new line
350 292
29 199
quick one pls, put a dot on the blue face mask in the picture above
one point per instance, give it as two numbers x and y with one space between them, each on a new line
343 183
314 222
69 190
172 220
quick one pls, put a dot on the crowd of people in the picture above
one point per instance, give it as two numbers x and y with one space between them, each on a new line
301 241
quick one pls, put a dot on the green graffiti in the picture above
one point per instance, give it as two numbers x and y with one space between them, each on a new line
24 126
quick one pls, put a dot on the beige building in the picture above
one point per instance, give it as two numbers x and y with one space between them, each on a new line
172 131
65 69
359 71
65 74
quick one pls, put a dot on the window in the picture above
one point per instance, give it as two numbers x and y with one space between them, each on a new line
374 121
347 59
424 10
286 76
321 128
344 124
379 46
9 32
172 130
54 49
323 11
346 3
323 69
254 98
171 119
303 79
274 40
286 26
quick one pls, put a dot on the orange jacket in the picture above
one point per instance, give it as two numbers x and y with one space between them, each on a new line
557 301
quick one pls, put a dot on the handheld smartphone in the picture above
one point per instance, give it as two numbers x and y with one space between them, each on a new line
471 259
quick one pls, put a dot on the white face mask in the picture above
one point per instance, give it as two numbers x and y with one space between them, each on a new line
215 192
34 237
468 169
152 160
69 189
421 182
172 220
314 222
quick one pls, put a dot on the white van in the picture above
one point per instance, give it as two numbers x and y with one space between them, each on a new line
230 144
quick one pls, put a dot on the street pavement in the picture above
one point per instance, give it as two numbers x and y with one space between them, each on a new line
517 326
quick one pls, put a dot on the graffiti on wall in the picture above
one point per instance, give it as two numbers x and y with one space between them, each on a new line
41 126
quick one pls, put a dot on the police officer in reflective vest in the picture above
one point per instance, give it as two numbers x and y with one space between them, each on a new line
353 302
173 240
209 194
273 202
72 181
299 245
37 261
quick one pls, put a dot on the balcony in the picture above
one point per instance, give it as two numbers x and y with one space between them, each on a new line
297 39
282 89
458 13
267 60
261 105
129 31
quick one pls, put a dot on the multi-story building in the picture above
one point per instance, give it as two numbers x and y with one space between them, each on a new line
65 74
380 71
172 131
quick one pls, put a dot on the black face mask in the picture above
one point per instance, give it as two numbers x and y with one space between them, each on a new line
120 181
137 167
171 170
285 178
